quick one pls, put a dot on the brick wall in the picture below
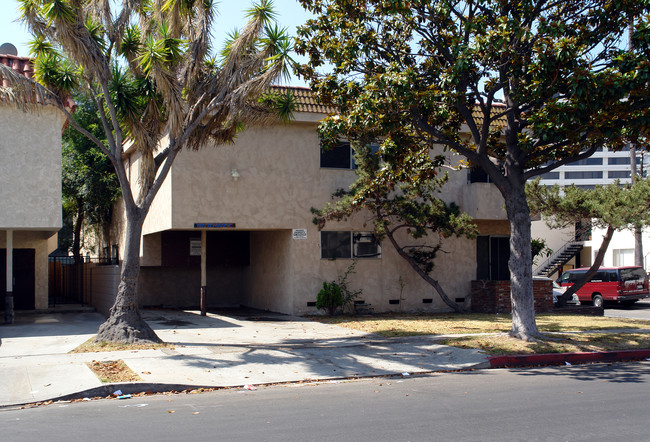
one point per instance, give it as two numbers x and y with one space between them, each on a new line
494 296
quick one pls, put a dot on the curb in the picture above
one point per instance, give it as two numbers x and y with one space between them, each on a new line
564 358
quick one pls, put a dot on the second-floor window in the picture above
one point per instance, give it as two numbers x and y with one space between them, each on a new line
338 157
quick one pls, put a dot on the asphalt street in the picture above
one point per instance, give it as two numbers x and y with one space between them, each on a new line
640 310
587 402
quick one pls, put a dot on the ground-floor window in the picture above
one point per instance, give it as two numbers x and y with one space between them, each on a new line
349 245
492 255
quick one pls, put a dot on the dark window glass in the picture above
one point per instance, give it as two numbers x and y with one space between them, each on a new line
632 274
335 245
576 276
349 245
600 277
619 174
587 174
551 176
492 255
588 162
338 157
478 175
622 160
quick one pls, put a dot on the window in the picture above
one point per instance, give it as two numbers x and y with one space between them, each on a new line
349 245
623 257
588 162
338 157
492 255
622 160
619 174
587 174
341 156
477 175
551 176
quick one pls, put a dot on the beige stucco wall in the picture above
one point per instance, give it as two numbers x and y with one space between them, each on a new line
280 179
30 168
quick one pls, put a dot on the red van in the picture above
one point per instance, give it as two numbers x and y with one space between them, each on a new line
621 284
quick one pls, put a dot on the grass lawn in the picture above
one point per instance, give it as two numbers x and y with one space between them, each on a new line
395 325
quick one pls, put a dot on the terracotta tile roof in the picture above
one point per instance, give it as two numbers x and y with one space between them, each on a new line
306 102
500 122
22 65
25 66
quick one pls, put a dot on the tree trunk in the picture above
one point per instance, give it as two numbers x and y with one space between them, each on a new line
424 275
592 270
125 324
76 240
520 265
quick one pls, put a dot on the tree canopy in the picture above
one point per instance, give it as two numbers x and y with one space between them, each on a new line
517 88
89 184
403 204
159 87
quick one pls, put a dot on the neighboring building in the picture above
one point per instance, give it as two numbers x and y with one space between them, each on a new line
603 167
30 195
263 251
580 245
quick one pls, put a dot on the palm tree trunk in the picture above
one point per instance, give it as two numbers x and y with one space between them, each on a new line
125 324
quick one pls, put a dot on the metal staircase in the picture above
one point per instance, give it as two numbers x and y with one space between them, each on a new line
559 258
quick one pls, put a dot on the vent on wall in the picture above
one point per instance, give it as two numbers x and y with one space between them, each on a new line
459 299
427 301
311 304
393 301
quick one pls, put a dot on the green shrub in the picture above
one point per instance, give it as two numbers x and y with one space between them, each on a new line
330 297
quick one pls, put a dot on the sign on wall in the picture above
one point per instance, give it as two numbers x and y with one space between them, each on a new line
214 225
195 247
299 234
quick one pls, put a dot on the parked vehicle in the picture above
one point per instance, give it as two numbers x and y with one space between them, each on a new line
558 291
620 284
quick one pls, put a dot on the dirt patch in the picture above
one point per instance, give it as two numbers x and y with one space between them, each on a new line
113 371
90 346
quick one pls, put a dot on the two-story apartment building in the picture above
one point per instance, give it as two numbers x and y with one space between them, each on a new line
30 194
253 200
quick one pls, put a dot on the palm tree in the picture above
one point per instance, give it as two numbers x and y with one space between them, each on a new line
148 67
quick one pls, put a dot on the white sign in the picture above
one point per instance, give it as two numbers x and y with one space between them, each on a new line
299 233
195 247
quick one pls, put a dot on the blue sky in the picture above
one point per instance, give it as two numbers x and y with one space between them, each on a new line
231 16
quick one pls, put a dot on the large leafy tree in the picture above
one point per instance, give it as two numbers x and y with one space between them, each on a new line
517 88
89 186
149 68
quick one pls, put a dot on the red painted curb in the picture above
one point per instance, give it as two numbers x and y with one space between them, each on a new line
571 358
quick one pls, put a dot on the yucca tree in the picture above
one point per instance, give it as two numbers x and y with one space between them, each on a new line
149 68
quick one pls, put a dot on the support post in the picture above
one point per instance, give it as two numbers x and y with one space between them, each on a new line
204 273
9 295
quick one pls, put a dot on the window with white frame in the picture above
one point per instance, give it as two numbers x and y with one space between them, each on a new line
623 257
349 245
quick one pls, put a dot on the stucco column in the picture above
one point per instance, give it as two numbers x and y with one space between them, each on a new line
9 296
204 272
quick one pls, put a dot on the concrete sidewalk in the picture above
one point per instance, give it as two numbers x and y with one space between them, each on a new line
218 350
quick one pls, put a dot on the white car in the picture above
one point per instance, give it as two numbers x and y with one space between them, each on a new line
558 291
